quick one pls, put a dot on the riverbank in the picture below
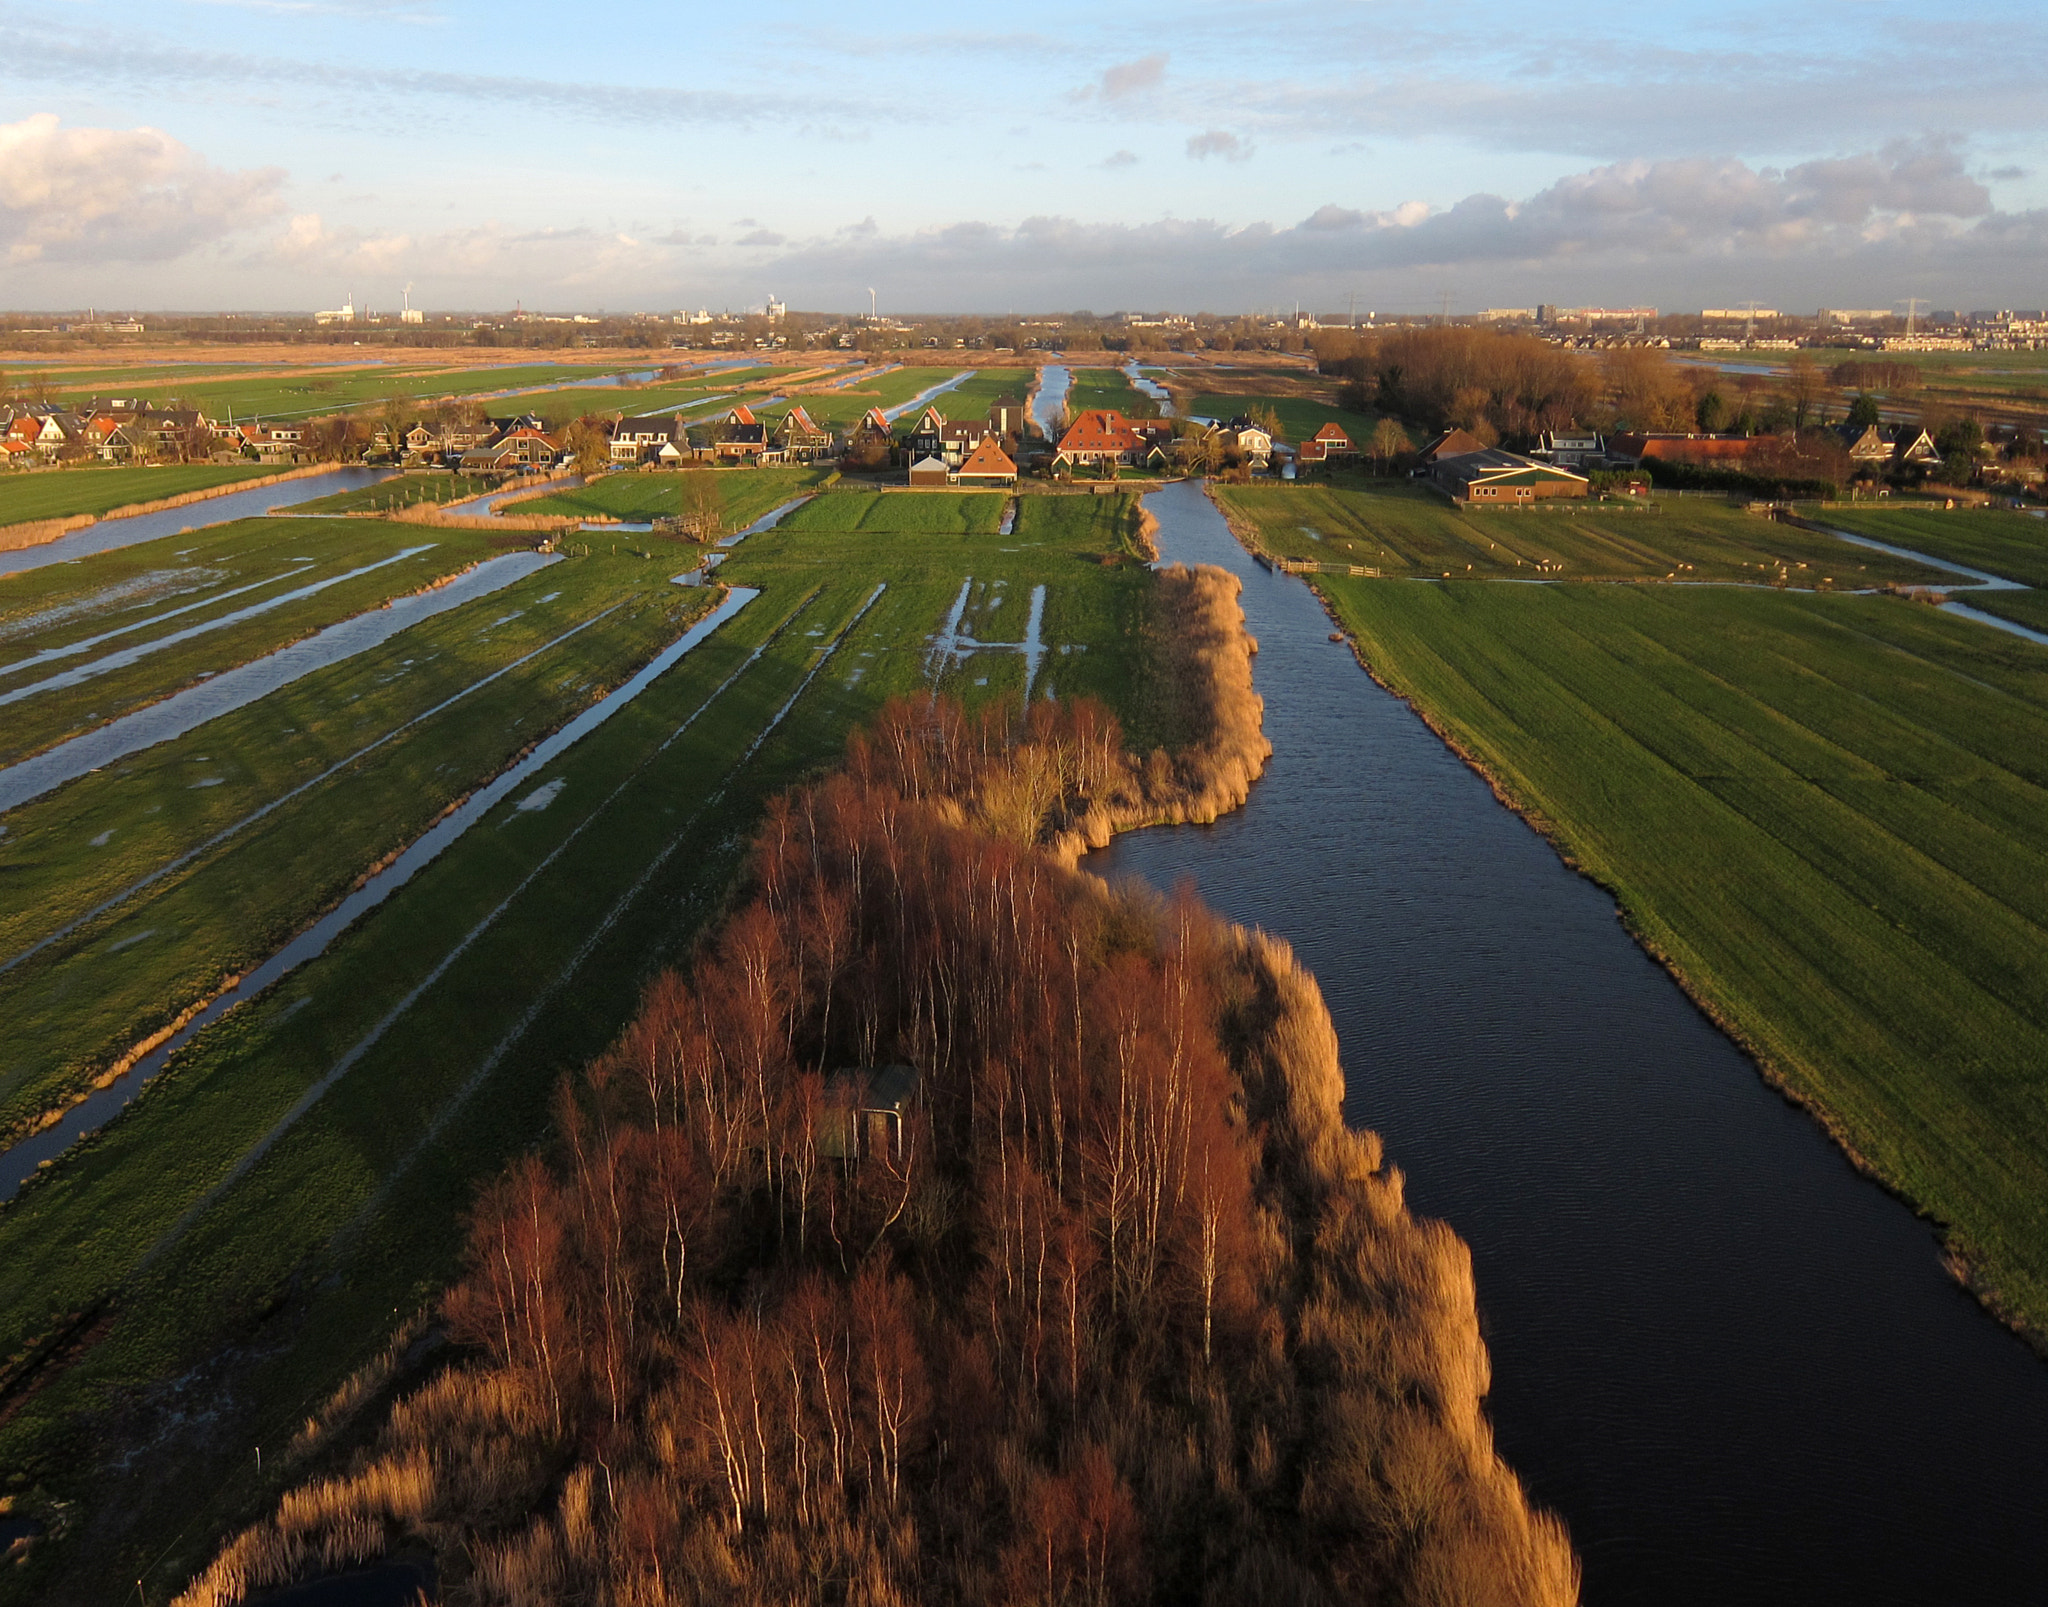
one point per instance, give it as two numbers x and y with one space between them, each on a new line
1870 928
35 532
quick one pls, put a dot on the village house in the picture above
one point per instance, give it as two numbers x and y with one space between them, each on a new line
801 439
1100 437
1570 448
1876 446
1248 441
871 437
1493 478
1327 445
651 438
1006 417
987 464
741 435
518 451
926 438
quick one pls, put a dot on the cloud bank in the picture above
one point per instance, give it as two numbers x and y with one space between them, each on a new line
102 194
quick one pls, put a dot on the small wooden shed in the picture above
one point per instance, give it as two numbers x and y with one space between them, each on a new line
930 471
866 1111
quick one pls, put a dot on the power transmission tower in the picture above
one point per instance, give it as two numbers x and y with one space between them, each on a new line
1912 308
1749 323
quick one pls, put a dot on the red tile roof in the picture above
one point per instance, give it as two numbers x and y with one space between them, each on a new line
988 461
1100 429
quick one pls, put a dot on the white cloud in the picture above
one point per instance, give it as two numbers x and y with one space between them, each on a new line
103 194
1125 79
1218 142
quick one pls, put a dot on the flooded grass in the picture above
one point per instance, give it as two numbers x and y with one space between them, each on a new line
353 1215
1830 814
137 674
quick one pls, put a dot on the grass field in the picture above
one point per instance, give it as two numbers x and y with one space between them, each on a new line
1995 540
1398 529
1830 813
355 565
639 498
455 1005
1107 387
2028 608
59 493
1300 416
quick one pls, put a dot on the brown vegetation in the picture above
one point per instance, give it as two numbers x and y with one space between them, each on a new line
1133 1317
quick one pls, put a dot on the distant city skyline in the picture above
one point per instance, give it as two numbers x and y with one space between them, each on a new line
282 154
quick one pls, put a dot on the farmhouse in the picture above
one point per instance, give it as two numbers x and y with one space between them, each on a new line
742 435
1493 478
801 439
1327 444
1702 451
1570 448
987 464
1450 443
650 438
1101 435
516 451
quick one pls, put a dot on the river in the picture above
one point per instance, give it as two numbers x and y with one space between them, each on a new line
1735 1367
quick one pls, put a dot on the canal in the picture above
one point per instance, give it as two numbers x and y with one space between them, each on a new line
1736 1368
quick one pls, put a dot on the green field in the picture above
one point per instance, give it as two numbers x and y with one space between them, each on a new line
1107 387
639 497
59 493
2028 608
355 564
1300 416
1830 813
454 1006
1400 529
1995 540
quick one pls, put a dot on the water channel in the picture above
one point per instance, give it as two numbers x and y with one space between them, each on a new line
1736 1368
109 534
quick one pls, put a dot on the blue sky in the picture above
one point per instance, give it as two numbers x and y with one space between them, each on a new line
283 153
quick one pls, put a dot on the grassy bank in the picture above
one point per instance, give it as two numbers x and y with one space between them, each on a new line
405 491
1829 814
58 493
2029 608
1400 529
453 1008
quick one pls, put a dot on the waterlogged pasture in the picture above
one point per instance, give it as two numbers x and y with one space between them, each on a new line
305 575
1402 530
221 1211
26 496
1829 813
1996 540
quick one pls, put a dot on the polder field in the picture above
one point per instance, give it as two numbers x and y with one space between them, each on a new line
57 494
1827 812
1396 528
1108 387
193 1281
1999 541
1300 416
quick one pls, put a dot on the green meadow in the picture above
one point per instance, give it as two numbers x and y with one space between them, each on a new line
1400 529
2029 608
1998 541
1829 813
1108 387
1300 416
212 1227
401 492
26 496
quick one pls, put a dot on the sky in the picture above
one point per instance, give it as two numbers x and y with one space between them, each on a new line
284 154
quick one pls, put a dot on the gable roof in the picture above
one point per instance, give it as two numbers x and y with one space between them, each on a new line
1491 466
1100 429
741 414
1450 443
930 422
1331 432
988 460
